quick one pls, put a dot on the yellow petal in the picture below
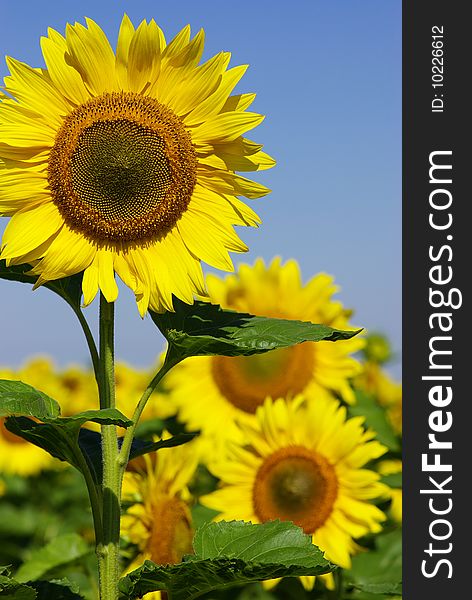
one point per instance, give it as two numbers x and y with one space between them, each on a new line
28 229
90 282
66 79
226 127
90 53
239 146
182 89
206 240
214 103
230 183
69 253
36 92
144 57
106 275
239 102
25 135
260 161
125 36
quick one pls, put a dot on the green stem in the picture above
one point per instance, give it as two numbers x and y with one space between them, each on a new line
93 492
129 435
89 338
108 549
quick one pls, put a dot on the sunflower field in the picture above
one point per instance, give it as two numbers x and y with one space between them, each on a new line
259 457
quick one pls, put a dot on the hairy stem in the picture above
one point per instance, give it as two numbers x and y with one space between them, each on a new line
108 549
129 435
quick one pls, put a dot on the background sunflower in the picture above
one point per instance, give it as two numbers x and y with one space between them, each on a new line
303 462
209 390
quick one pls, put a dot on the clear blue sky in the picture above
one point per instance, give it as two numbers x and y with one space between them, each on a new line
328 76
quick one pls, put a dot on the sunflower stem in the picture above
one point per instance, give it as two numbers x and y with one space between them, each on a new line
108 549
129 435
90 340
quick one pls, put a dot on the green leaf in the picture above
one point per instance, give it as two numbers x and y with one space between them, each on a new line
69 288
56 589
381 565
60 436
61 551
12 590
204 329
385 589
274 542
17 398
140 447
227 554
376 418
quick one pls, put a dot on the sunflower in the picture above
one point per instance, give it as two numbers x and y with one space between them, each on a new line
124 162
158 519
303 463
17 456
207 391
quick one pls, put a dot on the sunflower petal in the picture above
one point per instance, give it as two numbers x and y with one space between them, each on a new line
30 228
90 53
35 91
66 79
214 103
144 57
226 127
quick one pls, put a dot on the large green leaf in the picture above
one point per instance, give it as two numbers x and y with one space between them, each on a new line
204 329
69 288
274 542
18 398
376 418
61 551
56 589
227 554
60 436
380 569
57 435
11 589
384 589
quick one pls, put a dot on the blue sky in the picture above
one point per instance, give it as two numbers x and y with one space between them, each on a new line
328 79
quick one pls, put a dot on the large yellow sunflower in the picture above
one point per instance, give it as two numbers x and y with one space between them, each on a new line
125 162
208 391
158 520
303 462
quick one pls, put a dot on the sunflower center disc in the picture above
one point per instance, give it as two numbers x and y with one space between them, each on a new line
122 168
295 484
246 381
